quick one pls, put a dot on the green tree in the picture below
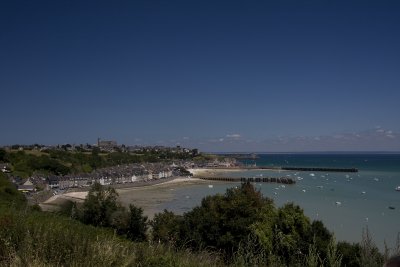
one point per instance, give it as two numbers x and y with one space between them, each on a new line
3 155
224 221
166 227
86 168
264 229
9 195
292 232
95 159
99 206
350 254
15 147
137 224
322 238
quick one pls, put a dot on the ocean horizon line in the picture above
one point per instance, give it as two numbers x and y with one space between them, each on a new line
305 152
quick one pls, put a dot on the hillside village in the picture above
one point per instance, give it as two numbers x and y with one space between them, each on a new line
122 174
171 162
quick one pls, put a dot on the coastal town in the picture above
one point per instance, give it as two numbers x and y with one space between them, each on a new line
120 166
166 163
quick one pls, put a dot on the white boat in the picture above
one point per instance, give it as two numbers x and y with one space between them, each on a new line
398 188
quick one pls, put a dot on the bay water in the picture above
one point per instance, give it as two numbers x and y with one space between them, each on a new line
345 202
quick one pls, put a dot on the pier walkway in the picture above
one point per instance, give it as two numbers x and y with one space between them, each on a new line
279 180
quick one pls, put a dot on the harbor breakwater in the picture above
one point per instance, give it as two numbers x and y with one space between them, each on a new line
279 180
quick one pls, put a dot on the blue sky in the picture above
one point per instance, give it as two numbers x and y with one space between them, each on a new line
217 75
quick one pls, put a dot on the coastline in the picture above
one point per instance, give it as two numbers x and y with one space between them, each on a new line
316 193
148 197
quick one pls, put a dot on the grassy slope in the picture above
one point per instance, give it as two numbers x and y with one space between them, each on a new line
41 239
34 238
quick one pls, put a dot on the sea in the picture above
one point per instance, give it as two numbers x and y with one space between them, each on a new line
347 203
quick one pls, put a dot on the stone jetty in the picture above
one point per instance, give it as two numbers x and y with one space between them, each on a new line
279 180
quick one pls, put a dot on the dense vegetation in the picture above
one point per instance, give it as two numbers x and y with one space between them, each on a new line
239 228
247 229
29 237
62 162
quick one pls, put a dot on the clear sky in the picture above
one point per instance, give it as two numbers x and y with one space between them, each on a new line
217 75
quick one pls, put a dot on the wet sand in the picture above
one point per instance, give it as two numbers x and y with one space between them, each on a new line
213 172
147 197
151 197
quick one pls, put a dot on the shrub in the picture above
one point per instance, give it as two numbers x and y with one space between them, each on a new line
166 227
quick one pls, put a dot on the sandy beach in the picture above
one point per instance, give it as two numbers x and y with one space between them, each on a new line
147 197
212 172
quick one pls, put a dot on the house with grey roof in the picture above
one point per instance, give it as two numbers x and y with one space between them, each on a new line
27 187
53 182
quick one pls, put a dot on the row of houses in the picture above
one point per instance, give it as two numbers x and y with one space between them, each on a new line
106 176
120 174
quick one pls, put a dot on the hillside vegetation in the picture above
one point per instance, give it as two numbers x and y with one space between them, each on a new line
29 237
62 162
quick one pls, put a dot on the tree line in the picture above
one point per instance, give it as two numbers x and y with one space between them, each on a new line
242 226
60 162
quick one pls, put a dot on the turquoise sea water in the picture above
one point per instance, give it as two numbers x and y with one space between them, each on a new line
345 202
